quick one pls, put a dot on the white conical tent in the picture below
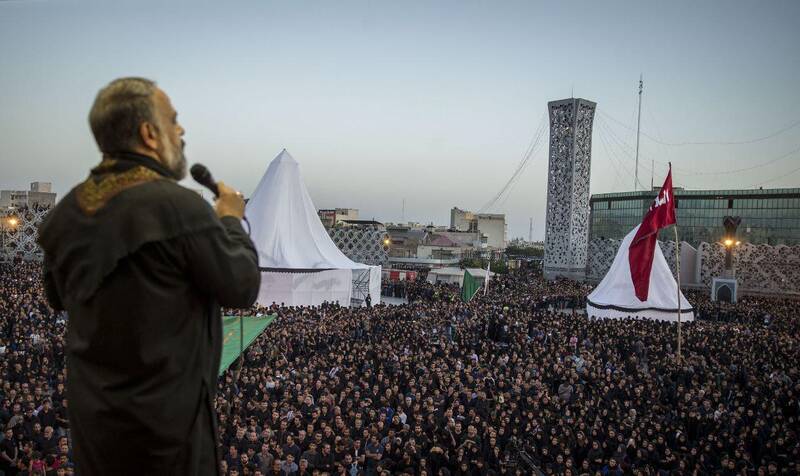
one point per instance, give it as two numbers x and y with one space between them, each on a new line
300 264
615 297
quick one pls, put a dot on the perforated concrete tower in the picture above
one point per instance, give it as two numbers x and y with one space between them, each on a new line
567 229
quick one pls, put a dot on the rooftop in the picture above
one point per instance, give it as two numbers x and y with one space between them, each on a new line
679 192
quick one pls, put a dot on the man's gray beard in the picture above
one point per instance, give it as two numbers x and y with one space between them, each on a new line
176 162
179 168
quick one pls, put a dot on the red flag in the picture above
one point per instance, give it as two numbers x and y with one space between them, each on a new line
640 254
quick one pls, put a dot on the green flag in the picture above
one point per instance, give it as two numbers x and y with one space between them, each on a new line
231 348
470 286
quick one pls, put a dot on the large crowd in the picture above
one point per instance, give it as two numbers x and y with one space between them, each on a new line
512 382
33 403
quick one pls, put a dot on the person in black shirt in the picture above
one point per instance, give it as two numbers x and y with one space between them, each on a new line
142 266
47 416
8 453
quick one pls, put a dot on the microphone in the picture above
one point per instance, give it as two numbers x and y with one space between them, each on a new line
202 176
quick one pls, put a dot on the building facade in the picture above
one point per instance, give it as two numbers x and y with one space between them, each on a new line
418 246
769 216
363 241
335 216
40 195
492 225
462 220
567 228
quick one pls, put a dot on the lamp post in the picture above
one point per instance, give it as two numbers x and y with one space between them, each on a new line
728 255
6 223
731 224
726 283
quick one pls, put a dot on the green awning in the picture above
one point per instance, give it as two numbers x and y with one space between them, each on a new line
253 326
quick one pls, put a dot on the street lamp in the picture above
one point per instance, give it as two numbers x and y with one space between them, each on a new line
730 224
5 223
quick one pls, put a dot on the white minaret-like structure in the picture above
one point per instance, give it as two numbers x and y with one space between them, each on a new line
567 228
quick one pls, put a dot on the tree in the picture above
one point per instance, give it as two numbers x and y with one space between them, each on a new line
495 267
528 252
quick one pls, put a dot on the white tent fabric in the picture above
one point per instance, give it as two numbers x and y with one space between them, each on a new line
367 281
306 289
300 264
456 275
615 298
375 283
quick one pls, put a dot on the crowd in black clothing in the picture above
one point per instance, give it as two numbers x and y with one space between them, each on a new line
753 309
508 383
33 403
396 289
419 289
442 387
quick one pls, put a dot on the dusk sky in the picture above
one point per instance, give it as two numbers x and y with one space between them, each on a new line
431 102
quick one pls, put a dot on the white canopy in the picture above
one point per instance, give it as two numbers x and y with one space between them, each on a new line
300 264
456 275
615 297
285 225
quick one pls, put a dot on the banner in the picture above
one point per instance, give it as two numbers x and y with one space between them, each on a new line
640 257
470 286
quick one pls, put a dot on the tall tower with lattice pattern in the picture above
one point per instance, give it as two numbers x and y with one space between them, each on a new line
567 228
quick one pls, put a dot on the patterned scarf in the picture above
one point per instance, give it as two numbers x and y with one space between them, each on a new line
114 174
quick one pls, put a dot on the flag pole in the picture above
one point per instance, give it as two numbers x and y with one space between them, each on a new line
486 281
677 276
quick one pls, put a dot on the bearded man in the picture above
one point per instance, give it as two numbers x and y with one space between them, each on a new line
142 265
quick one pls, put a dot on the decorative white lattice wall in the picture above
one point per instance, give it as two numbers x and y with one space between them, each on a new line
759 268
763 268
602 252
362 244
567 228
19 240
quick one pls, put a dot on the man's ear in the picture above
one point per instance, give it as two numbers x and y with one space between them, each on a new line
149 135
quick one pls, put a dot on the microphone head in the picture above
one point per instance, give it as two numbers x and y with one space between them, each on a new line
201 175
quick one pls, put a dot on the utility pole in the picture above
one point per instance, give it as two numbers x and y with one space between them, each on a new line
530 232
638 127
652 172
403 215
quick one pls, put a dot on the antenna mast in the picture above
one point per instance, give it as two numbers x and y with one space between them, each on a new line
638 126
652 172
530 232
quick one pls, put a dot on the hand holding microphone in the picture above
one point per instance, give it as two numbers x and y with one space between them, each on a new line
229 202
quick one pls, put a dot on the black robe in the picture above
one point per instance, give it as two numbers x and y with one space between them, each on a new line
142 266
